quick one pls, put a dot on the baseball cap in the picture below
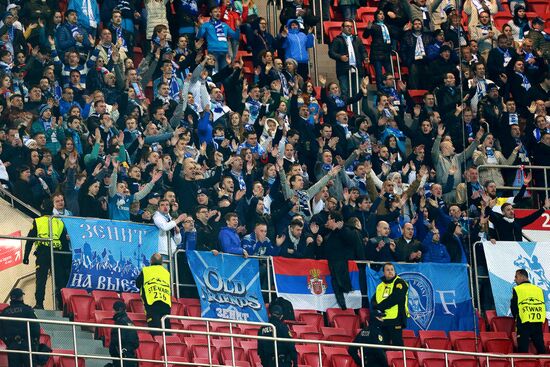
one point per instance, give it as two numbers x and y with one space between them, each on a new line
153 195
16 293
202 192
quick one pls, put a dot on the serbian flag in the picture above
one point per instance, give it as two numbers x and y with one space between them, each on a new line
307 284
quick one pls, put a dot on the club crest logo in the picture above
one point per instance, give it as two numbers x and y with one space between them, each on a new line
421 299
316 282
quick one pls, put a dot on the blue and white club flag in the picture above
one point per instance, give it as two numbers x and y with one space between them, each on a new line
439 295
109 255
229 286
504 258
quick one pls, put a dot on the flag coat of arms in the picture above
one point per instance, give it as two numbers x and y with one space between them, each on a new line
307 284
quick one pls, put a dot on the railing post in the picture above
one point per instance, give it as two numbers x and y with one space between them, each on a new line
75 347
208 340
162 324
269 268
545 185
120 347
232 345
176 270
404 358
29 341
476 276
52 262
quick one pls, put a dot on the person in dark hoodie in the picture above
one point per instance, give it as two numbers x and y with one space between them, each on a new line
372 334
453 242
128 337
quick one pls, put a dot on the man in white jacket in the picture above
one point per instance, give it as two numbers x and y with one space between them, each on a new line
166 224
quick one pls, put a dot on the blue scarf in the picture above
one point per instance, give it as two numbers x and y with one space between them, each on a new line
469 130
338 100
239 177
524 81
220 33
385 32
254 108
303 201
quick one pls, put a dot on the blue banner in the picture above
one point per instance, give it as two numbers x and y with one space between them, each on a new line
439 295
109 255
229 286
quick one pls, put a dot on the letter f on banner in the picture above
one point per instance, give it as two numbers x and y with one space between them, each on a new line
444 302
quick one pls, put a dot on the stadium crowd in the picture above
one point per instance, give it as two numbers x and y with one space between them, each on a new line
146 111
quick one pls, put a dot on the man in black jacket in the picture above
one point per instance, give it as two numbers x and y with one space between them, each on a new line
372 334
14 333
506 226
129 340
348 51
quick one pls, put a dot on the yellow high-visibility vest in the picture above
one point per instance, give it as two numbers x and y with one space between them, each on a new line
43 231
530 303
383 291
156 285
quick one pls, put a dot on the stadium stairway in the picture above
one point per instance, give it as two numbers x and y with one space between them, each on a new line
62 338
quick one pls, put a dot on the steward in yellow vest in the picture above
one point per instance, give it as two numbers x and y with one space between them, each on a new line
154 286
529 309
392 298
62 262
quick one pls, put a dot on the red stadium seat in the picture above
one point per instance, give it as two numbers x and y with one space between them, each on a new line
364 316
342 360
455 335
366 14
225 353
332 29
410 339
312 318
425 334
538 6
193 310
430 359
437 343
489 315
503 346
458 360
202 351
312 359
149 349
3 355
45 339
331 312
83 307
189 301
127 296
494 362
136 306
467 345
314 335
203 362
237 363
106 303
97 295
66 294
526 363
300 329
350 323
70 362
328 331
3 306
176 359
103 333
395 359
178 309
503 323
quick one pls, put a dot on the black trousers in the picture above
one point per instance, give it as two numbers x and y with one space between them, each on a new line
62 263
18 359
154 320
393 334
127 354
530 331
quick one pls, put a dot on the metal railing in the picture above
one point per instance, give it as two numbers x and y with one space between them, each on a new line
275 339
522 168
393 52
353 81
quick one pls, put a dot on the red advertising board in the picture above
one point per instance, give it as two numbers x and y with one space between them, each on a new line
10 251
542 223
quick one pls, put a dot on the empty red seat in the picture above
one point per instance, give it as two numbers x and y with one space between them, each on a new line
496 342
203 351
410 339
425 334
489 315
106 303
193 310
313 335
189 301
70 362
66 294
395 359
430 359
127 297
350 323
236 363
103 333
503 323
458 360
305 349
494 362
226 354
328 331
178 309
312 359
97 295
331 352
364 316
526 363
176 359
3 306
136 306
299 329
455 335
332 29
331 312
149 349
83 307
313 319
437 343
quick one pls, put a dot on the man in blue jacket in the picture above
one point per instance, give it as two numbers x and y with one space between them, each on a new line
230 243
71 34
215 33
296 44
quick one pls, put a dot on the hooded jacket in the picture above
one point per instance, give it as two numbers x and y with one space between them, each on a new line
229 241
296 43
208 31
